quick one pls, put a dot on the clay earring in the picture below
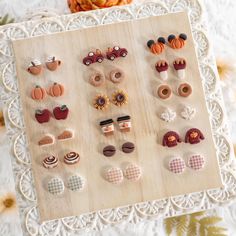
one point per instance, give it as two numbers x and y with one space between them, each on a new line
107 127
56 90
52 63
114 175
158 47
97 79
113 53
71 158
50 162
194 136
177 42
119 98
184 90
180 65
117 76
93 57
38 93
35 67
124 123
177 165
164 91
162 67
101 102
171 139
168 115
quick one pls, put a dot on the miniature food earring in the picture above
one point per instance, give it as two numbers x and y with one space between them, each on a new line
124 123
164 91
38 93
107 127
162 67
117 76
52 63
158 47
35 67
97 79
184 90
50 162
180 65
177 42
61 112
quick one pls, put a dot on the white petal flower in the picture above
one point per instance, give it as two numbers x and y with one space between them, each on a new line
168 115
188 113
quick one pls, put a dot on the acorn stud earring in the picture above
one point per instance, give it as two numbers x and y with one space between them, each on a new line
177 42
156 47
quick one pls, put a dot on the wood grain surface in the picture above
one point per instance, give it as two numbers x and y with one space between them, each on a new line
141 80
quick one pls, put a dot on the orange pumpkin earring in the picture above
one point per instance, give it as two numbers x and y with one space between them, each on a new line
56 90
177 42
158 47
38 93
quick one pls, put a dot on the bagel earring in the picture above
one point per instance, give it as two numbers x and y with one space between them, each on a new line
177 42
157 47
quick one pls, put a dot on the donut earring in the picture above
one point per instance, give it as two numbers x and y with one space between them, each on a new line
164 91
184 90
157 47
177 42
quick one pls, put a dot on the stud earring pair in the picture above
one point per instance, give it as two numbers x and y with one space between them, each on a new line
192 136
179 65
164 91
169 115
174 42
59 112
115 175
39 93
111 54
56 185
124 124
119 98
116 76
110 150
35 67
195 162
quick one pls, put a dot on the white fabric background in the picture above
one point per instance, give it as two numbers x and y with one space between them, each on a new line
222 30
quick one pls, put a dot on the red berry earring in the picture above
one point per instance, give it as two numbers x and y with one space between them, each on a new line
157 47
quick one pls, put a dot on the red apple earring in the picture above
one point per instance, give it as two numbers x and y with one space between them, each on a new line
52 63
61 112
35 67
157 47
177 42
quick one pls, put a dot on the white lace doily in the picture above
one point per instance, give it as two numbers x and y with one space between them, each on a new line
134 213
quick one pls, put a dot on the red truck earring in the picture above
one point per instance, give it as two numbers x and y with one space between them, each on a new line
93 57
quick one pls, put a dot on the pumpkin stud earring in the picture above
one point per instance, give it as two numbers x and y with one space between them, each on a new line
156 47
38 93
52 63
56 90
177 42
35 67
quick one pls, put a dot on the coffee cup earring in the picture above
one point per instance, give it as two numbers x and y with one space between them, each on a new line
52 63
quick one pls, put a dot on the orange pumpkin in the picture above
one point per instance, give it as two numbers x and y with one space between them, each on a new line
156 47
177 43
38 93
56 90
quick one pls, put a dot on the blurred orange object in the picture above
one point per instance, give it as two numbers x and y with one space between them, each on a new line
87 5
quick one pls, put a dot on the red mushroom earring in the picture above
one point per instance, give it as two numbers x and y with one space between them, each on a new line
180 65
162 67
177 42
156 47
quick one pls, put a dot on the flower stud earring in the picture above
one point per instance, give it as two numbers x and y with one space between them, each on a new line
156 47
177 42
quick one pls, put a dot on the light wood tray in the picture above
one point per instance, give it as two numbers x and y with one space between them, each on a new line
144 107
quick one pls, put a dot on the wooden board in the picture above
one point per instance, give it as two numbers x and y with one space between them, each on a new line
144 108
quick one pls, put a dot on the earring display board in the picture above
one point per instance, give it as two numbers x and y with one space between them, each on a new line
159 192
144 106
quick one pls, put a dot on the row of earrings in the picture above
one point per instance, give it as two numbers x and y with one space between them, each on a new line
97 79
179 65
110 150
174 42
195 162
115 175
124 124
59 113
111 54
40 93
35 67
101 101
164 91
70 158
56 185
192 136
49 139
